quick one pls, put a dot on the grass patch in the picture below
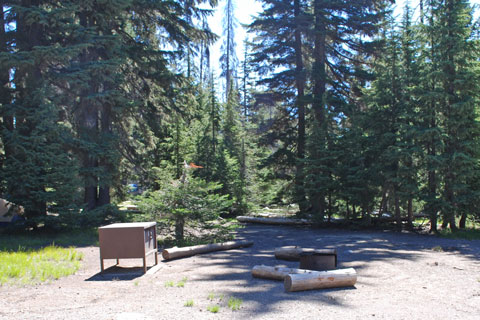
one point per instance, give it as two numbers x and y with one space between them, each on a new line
214 308
437 249
189 303
234 303
467 234
211 296
169 284
181 283
35 266
35 240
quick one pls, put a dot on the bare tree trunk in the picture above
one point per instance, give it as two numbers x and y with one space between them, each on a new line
384 199
348 210
398 217
179 227
89 123
228 72
105 181
449 88
463 221
319 88
5 96
410 213
432 175
300 83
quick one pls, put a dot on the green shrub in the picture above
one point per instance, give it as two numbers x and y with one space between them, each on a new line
214 308
188 198
234 303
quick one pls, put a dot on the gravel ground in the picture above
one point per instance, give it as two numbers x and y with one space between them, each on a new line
400 276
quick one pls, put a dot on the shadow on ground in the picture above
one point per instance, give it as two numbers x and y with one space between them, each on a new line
355 249
36 239
119 273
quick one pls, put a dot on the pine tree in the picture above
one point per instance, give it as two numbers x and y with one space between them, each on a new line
410 151
228 58
431 132
6 120
458 58
279 57
336 34
233 183
39 169
389 121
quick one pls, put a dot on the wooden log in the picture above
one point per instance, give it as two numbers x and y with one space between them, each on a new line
293 253
274 221
320 280
175 252
275 273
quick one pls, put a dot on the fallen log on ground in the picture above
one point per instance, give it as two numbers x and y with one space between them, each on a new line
275 273
320 280
175 252
293 253
275 221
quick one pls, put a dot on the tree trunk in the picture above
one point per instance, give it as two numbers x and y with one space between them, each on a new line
410 213
444 222
463 221
398 217
274 221
89 162
89 123
431 210
320 280
330 208
294 253
382 202
105 163
276 273
32 78
348 210
450 145
228 73
174 253
300 83
318 105
5 95
179 227
178 161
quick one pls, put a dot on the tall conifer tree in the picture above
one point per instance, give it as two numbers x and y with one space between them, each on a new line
228 58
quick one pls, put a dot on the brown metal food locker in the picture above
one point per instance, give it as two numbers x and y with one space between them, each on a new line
128 241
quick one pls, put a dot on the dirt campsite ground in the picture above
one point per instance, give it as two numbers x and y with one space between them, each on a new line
400 276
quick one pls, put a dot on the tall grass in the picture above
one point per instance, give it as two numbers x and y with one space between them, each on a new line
35 266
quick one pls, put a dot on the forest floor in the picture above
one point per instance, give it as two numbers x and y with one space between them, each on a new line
400 276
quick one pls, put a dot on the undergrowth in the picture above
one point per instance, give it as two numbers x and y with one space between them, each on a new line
467 234
35 240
